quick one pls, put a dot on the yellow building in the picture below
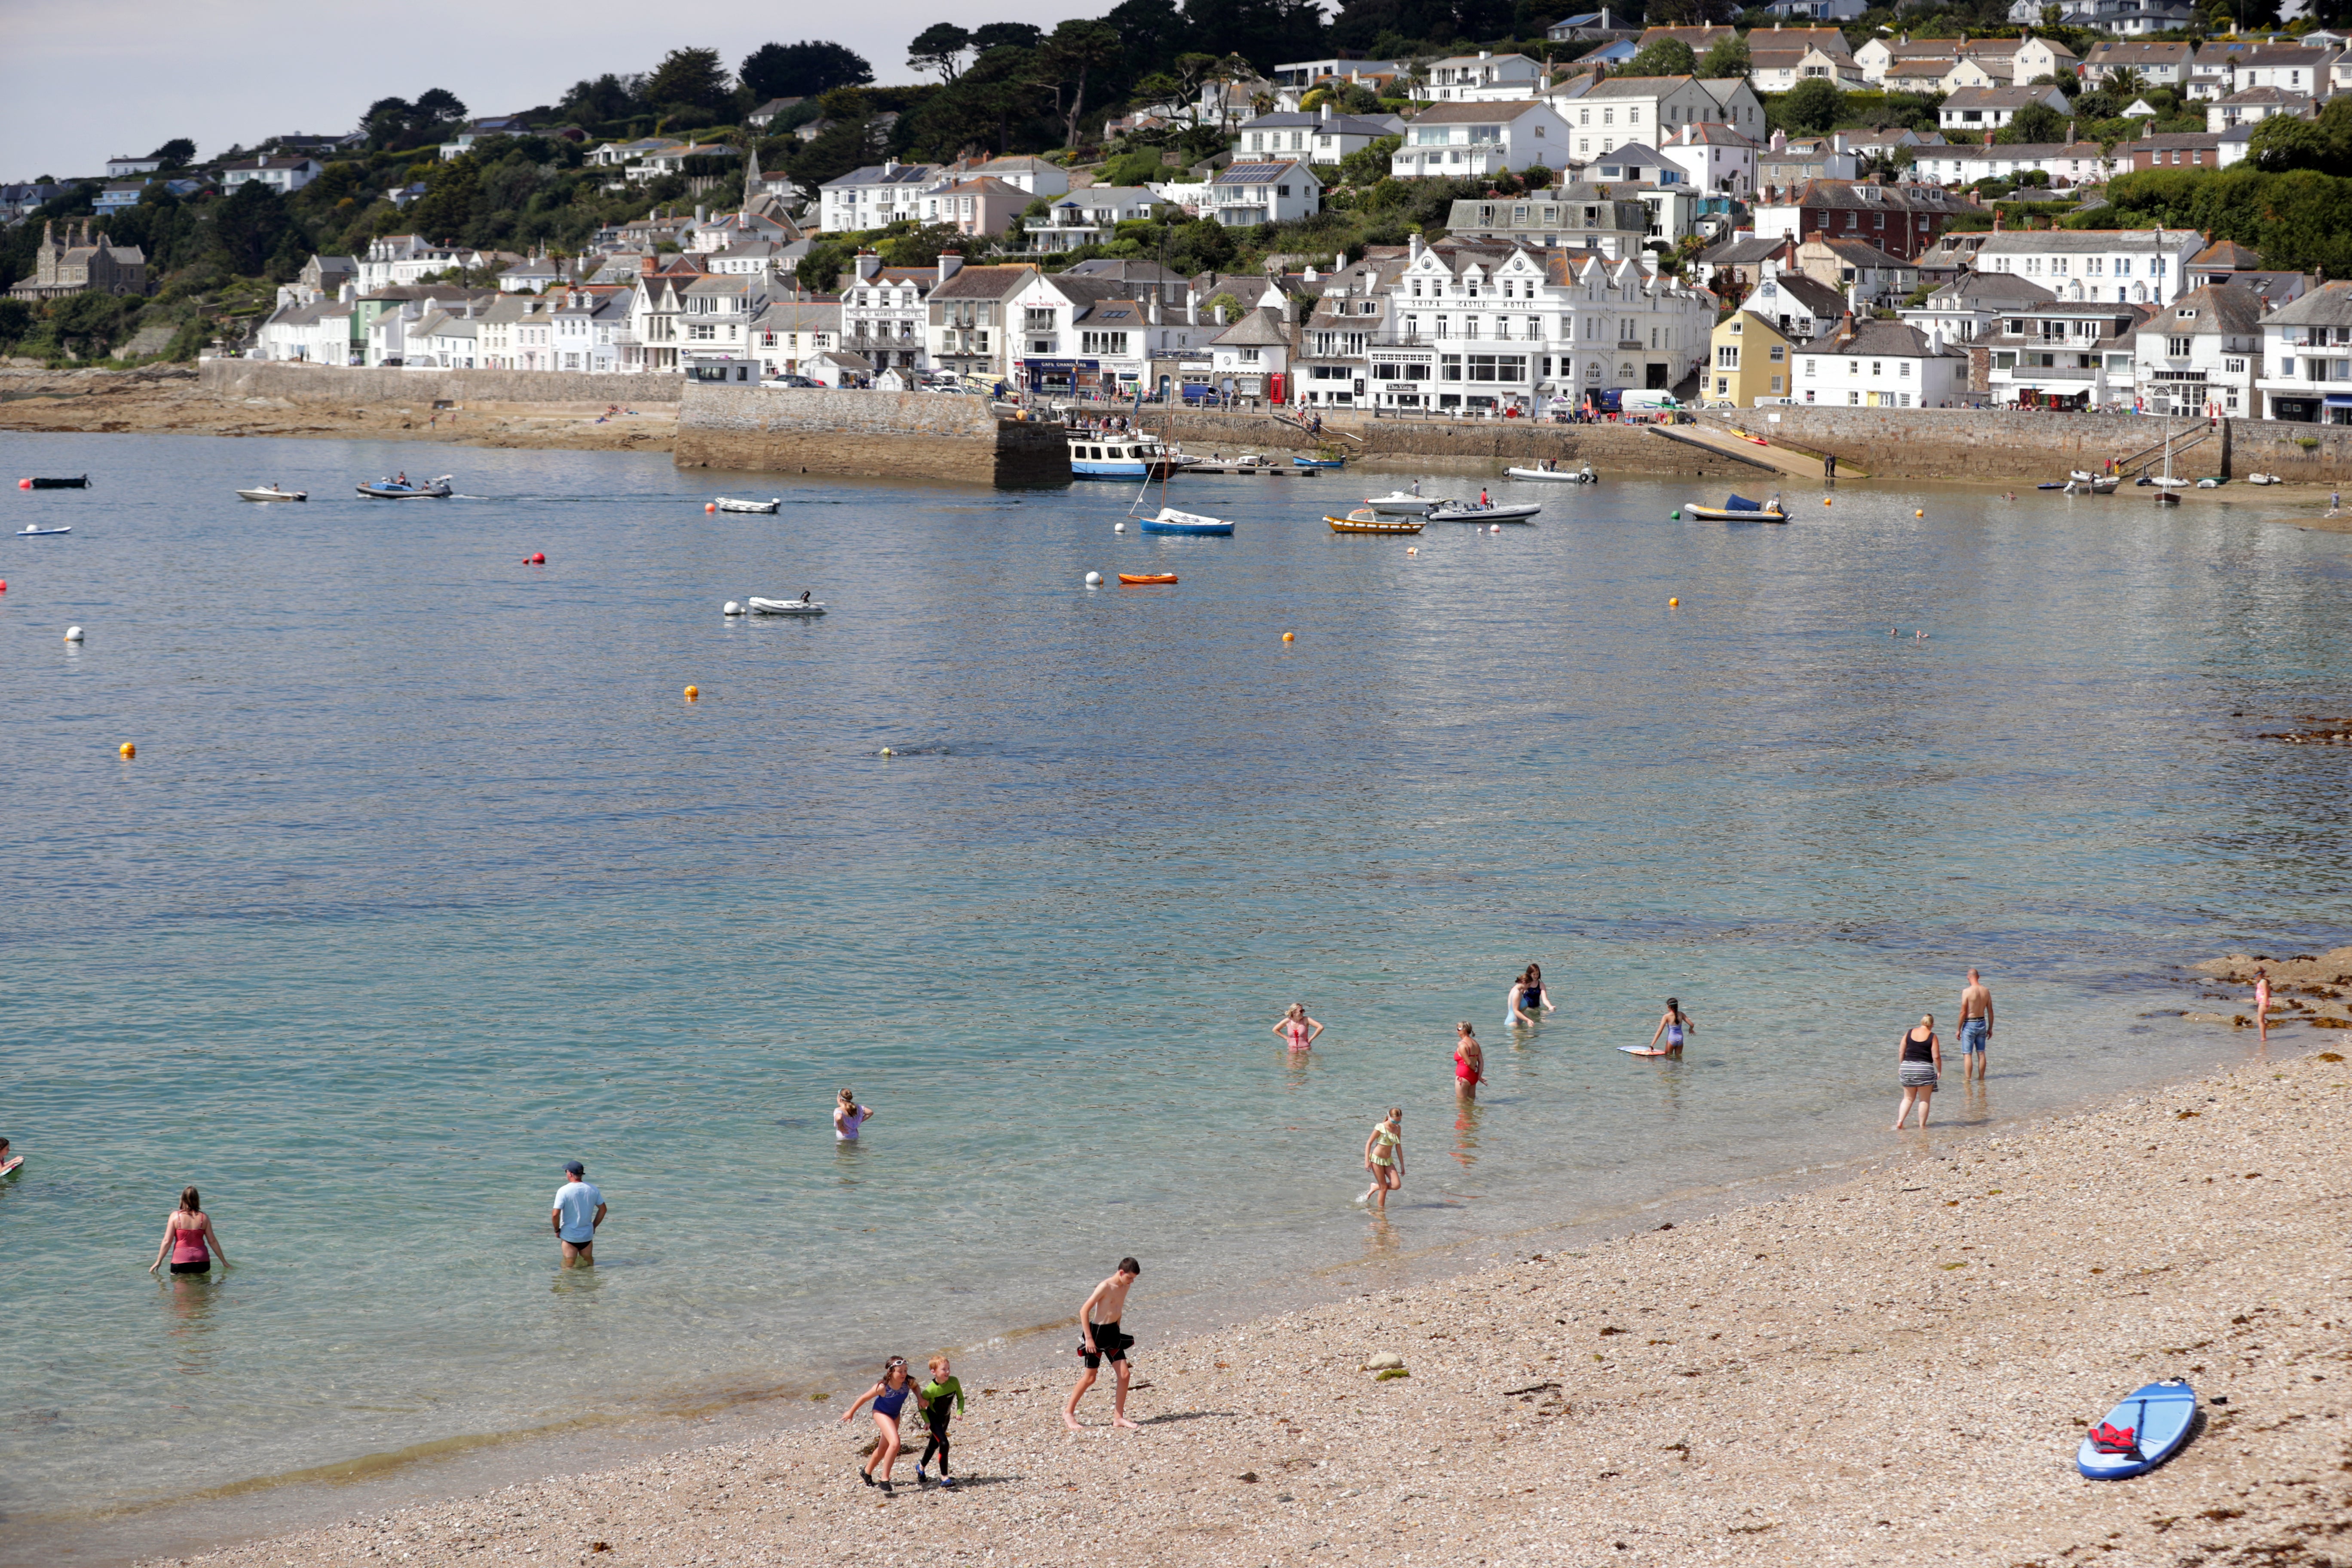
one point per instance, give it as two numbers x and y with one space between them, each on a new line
1753 363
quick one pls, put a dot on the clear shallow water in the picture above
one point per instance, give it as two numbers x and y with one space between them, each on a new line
426 878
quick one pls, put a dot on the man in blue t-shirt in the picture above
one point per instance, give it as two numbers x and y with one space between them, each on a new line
578 1210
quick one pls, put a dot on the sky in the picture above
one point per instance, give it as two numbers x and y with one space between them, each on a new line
84 81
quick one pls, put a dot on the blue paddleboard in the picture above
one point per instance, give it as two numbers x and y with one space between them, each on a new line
2159 1416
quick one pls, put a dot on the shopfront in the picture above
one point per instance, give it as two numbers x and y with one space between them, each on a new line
1062 377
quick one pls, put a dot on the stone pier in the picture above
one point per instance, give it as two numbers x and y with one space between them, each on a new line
876 435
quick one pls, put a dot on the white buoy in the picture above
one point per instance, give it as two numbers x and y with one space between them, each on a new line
1119 528
1094 580
73 633
733 608
1495 528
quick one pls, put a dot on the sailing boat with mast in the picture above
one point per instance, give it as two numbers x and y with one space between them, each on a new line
1169 520
2168 484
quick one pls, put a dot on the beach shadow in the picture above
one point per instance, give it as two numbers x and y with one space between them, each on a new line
1175 1415
963 1484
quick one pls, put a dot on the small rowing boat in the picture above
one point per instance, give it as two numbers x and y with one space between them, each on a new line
1738 508
1364 520
1145 579
271 492
728 503
40 532
1320 462
78 482
394 490
803 605
1452 513
1171 520
1583 476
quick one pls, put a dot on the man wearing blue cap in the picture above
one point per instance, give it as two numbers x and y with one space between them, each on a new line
578 1210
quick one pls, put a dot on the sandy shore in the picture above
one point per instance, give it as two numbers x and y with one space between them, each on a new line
165 399
1892 1369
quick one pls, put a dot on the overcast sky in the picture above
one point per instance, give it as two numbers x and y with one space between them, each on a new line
89 80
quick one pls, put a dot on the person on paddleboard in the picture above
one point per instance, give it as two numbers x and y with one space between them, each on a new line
1672 1028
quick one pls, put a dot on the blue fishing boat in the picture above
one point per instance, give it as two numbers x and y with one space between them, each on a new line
1320 462
1171 520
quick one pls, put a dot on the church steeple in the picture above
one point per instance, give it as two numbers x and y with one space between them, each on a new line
750 176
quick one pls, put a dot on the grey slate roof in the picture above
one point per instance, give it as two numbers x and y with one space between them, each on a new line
1256 329
1339 124
2329 305
1895 340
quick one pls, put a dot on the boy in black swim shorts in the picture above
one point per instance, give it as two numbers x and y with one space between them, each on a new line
1100 1339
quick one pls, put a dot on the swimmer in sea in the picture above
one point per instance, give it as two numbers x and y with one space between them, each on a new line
1528 994
1672 1028
1384 1158
1469 1062
1296 1029
849 1116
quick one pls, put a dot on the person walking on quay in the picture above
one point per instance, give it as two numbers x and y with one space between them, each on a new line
1672 1028
188 1237
1384 1159
2261 1006
578 1210
1469 1062
1527 994
1100 1337
942 1398
890 1397
848 1116
1296 1029
1976 1027
1920 1063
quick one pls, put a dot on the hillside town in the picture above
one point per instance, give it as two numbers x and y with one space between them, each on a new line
1611 216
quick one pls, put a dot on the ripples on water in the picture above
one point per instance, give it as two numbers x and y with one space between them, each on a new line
424 878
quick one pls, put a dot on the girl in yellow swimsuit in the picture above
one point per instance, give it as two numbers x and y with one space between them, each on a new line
1384 1158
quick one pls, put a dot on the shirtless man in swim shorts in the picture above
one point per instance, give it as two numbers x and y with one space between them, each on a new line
1099 1336
1976 1027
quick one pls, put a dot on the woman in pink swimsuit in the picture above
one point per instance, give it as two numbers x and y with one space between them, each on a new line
1297 1031
188 1237
1469 1063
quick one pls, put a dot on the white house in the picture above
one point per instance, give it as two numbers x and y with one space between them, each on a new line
1080 335
1252 357
2064 354
1483 78
1973 305
2252 105
2156 65
1712 157
1089 216
1982 108
2307 359
124 168
2202 354
883 318
2066 163
1322 137
616 154
588 327
1780 70
1877 58
2307 71
790 332
1458 140
1818 10
1879 364
1035 176
1604 114
875 197
1243 195
672 160
284 175
2138 265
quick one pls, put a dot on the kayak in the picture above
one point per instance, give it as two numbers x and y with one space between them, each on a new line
1145 579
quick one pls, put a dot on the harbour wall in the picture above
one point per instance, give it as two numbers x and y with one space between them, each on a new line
1497 444
879 435
347 387
1993 445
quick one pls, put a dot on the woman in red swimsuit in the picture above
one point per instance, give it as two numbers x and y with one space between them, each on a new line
1469 1063
188 1237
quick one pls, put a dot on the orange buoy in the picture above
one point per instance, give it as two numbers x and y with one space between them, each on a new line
693 692
24 484
710 505
1290 636
1826 500
1921 512
127 750
1674 603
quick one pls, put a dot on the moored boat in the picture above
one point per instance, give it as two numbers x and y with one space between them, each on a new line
1399 504
271 492
1738 508
1583 476
1128 455
1523 512
1146 579
1364 520
728 503
35 532
1320 462
803 605
78 482
395 490
1171 520
2262 478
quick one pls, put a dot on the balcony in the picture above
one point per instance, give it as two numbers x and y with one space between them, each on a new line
2034 374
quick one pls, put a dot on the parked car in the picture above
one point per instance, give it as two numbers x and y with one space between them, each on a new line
795 381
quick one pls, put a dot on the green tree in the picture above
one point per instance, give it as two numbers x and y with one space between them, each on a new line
609 96
1812 107
176 153
1667 57
1007 36
2286 141
687 78
1369 165
1727 58
804 70
2036 123
939 48
1076 50
439 106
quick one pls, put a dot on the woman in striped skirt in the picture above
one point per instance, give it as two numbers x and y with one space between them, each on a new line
1920 1063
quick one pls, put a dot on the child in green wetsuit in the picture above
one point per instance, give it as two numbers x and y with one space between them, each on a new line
938 1394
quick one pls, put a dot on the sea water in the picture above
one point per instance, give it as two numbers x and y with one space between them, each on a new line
425 877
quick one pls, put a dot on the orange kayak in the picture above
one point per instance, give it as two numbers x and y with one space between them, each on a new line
1130 580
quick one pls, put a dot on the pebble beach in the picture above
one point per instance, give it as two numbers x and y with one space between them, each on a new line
1894 1367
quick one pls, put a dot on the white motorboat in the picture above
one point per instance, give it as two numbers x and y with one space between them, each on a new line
271 492
402 489
803 605
1399 504
728 503
1583 476
2263 479
35 532
2082 476
1452 513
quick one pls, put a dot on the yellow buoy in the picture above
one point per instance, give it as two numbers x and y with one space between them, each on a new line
692 693
1674 603
1921 512
1290 636
128 749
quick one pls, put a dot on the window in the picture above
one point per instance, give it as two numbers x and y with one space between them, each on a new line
2176 347
1779 353
1726 357
1812 365
1449 368
1776 384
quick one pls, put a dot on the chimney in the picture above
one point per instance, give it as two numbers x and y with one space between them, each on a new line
1323 110
1412 248
1192 307
2070 133
698 213
950 263
1779 143
1151 308
1996 218
1486 54
646 264
868 263
1845 329
1338 261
